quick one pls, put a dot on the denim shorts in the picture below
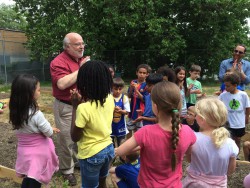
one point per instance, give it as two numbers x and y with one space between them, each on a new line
96 167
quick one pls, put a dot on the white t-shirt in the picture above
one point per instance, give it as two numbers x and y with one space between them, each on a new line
207 159
37 124
236 105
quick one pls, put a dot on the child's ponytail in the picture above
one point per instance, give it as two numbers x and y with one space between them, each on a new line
175 137
166 95
214 112
219 136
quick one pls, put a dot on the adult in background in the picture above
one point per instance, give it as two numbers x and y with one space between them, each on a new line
237 63
64 69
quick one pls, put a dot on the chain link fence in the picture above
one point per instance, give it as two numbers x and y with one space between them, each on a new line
14 60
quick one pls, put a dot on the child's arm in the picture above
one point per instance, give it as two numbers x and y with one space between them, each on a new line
120 111
201 95
112 170
130 89
43 124
247 115
75 132
55 130
197 91
143 118
189 87
139 94
130 92
217 93
188 154
126 147
231 166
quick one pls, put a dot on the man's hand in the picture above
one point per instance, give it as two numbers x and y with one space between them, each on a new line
235 63
240 67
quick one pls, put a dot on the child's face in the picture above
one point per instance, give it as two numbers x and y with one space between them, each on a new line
190 115
227 73
194 75
149 87
37 91
165 78
142 74
230 87
181 75
117 91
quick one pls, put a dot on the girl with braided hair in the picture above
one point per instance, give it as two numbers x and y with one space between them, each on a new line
162 145
213 156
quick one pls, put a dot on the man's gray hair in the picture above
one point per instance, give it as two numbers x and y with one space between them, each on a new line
66 41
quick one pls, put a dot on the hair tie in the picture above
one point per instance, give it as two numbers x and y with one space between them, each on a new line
175 110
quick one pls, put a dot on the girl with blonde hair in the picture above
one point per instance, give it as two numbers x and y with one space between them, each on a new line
213 156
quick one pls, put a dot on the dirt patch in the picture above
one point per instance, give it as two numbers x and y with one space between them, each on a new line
8 144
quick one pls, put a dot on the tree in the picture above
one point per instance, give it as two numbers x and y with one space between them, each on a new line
10 19
211 30
140 31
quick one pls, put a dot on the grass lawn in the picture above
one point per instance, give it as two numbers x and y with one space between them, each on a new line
208 88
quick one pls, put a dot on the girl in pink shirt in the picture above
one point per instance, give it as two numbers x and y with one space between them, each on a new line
213 156
162 145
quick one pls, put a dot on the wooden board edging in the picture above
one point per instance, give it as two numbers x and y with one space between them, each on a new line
9 173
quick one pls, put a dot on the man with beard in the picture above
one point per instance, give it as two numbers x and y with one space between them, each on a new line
237 63
64 69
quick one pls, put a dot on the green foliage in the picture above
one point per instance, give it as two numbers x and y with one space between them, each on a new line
211 29
128 33
4 88
10 19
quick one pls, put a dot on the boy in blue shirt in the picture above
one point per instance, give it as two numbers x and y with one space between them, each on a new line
136 92
148 117
125 175
122 108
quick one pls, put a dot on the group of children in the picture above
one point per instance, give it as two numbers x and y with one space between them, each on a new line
209 116
140 112
162 110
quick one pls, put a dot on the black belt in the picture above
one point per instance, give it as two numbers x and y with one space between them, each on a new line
65 102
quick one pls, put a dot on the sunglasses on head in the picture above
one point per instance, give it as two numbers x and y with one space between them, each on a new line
237 51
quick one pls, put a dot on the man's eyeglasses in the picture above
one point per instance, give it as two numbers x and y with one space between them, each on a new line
78 44
237 51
